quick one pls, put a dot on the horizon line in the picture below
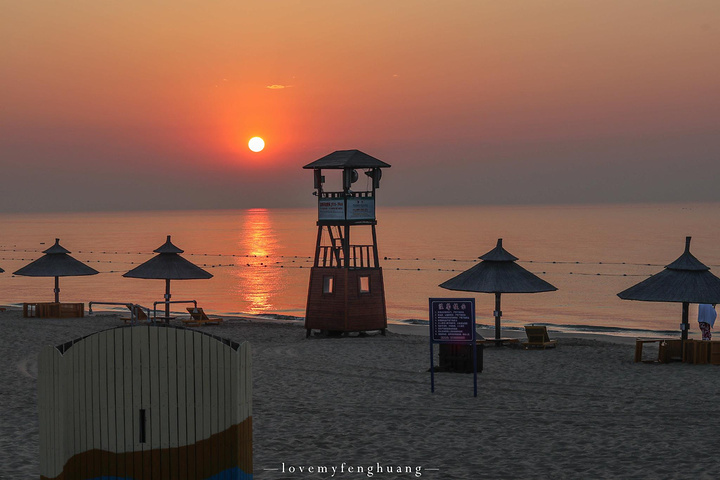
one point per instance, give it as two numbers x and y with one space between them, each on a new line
419 205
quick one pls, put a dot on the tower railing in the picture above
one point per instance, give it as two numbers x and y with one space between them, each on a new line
330 256
361 256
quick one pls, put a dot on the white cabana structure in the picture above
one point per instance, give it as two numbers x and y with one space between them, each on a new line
146 401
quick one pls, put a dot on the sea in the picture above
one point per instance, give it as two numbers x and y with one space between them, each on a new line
261 258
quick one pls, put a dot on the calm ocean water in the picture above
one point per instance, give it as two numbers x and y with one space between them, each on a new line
260 258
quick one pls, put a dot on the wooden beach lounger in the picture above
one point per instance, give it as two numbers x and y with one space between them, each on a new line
141 315
538 337
198 318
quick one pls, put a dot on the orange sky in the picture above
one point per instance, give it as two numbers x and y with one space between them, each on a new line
470 101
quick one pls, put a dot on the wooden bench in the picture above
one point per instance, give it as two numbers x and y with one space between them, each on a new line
669 350
498 342
700 352
53 310
715 352
639 342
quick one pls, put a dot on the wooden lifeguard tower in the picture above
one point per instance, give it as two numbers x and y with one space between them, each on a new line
346 292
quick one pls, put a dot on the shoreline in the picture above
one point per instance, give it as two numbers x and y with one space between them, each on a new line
415 328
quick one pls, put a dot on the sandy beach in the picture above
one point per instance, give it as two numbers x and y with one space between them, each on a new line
358 406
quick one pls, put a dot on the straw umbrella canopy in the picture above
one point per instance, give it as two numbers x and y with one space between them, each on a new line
56 263
168 265
686 280
498 273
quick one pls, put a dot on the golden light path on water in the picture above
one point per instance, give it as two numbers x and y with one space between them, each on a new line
258 241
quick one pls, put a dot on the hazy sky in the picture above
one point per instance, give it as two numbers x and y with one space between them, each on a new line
150 104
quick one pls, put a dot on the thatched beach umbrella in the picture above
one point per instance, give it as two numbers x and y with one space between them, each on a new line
56 263
686 280
498 273
168 265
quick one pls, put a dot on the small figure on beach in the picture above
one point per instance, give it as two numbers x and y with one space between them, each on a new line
706 319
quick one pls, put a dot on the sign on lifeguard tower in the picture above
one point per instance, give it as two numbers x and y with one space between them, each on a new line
351 208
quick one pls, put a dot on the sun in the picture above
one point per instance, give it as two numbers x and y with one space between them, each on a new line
256 144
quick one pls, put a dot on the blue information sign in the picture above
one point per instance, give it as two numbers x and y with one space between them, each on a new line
452 320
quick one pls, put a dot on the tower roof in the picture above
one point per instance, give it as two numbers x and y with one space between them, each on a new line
347 159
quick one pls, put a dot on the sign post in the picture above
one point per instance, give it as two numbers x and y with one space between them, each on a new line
452 320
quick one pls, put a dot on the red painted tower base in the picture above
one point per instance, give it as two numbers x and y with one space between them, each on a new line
339 300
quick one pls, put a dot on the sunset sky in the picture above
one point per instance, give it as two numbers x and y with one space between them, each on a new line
150 105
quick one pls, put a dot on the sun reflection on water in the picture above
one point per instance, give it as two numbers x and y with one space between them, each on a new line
258 279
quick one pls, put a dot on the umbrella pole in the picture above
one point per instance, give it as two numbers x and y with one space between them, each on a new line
685 321
167 299
497 314
57 289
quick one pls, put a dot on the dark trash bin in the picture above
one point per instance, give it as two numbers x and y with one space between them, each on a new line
458 358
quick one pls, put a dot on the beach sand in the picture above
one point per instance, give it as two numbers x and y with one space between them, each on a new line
582 410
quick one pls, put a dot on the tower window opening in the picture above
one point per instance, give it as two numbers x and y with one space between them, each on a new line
328 284
364 284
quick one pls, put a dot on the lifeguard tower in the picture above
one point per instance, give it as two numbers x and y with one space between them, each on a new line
346 292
